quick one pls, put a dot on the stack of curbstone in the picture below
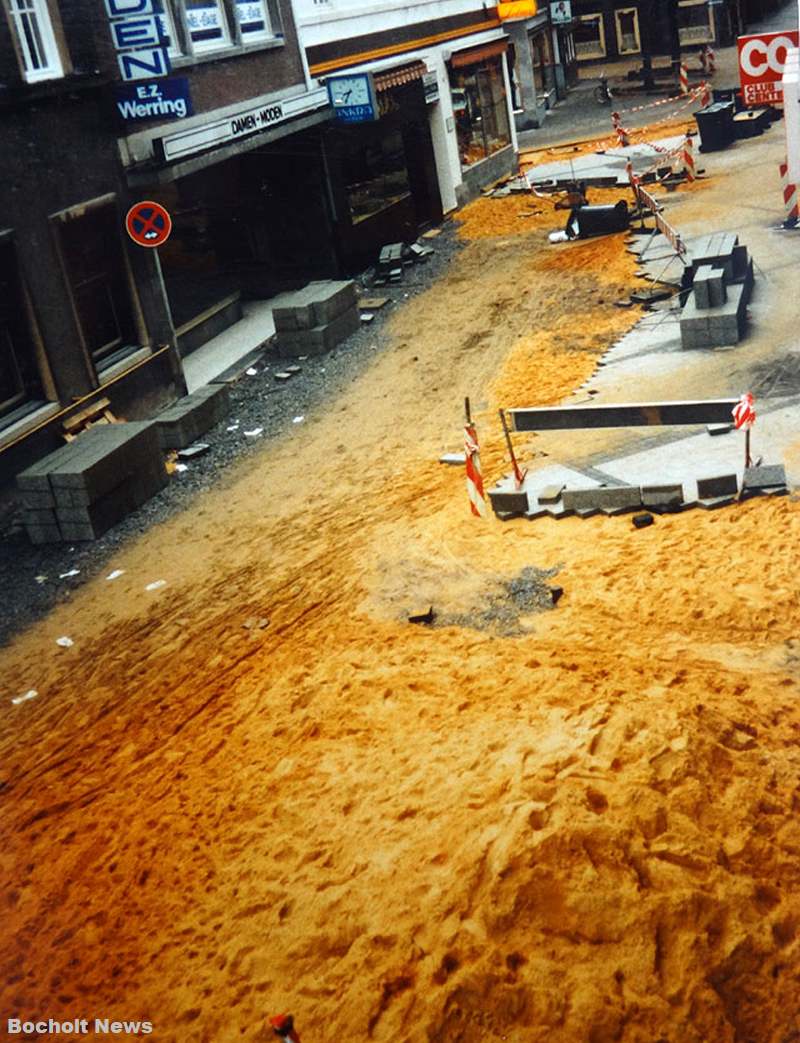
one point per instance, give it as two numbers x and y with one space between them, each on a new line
191 416
82 489
317 318
720 275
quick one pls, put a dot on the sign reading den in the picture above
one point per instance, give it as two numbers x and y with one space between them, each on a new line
761 61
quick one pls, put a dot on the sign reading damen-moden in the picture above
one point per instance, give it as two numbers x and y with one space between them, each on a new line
237 124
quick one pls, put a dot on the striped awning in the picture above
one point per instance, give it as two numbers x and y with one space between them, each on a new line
475 55
384 81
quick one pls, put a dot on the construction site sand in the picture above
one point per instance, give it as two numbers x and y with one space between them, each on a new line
585 833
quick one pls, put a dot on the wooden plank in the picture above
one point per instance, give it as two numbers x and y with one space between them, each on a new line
95 409
638 414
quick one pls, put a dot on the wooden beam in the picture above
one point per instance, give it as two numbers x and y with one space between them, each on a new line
639 414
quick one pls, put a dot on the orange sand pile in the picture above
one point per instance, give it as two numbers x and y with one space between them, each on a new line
582 834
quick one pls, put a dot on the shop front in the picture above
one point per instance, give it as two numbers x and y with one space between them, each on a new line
481 99
382 171
534 52
250 214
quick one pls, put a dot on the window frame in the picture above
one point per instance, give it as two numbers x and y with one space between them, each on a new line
618 11
691 41
49 32
21 401
600 52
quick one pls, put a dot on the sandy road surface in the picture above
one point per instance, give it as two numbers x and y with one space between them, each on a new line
587 832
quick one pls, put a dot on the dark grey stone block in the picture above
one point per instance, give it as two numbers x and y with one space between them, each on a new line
717 295
109 452
39 534
662 495
43 516
719 429
332 299
320 339
765 476
37 476
36 499
191 416
719 485
702 276
512 501
622 497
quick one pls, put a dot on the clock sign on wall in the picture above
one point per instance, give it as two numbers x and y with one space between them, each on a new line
352 96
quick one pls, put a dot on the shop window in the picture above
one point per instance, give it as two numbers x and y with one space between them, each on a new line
627 19
166 20
207 25
98 277
695 22
253 19
19 373
540 56
590 40
376 174
480 107
37 49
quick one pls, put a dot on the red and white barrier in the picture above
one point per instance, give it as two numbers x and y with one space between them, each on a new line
619 130
789 198
672 236
683 78
744 416
688 158
711 60
283 1027
477 498
705 94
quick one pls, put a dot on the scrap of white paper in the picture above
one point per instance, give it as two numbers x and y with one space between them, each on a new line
115 574
65 642
181 467
72 572
298 420
30 694
254 433
252 372
156 584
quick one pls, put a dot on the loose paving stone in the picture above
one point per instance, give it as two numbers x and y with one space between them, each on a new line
550 494
641 521
662 495
719 429
714 503
622 497
719 485
765 476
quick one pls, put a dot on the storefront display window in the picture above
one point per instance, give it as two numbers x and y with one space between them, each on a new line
480 107
695 24
376 174
540 56
590 41
19 376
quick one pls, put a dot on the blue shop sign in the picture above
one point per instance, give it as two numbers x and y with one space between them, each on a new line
165 100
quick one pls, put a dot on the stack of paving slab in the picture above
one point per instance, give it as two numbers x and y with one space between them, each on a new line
191 416
720 276
606 169
561 492
317 318
82 489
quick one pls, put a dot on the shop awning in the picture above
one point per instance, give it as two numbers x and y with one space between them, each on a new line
384 81
478 54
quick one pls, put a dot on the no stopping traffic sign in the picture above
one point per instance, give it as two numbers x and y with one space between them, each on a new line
148 223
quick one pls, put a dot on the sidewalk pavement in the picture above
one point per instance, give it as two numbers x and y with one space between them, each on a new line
579 115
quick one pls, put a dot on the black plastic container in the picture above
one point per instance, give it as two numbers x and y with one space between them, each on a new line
715 124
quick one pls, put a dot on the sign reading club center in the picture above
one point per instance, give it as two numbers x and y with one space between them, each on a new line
762 58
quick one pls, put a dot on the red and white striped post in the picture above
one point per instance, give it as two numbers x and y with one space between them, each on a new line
688 158
705 94
744 416
789 197
711 60
619 130
477 499
283 1027
683 78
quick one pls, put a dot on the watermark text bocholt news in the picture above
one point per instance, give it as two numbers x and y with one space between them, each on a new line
77 1027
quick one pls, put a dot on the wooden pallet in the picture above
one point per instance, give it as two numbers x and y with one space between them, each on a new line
98 412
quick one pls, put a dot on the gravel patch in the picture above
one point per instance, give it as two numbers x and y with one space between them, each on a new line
500 614
257 401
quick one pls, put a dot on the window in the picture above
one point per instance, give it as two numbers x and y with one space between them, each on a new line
36 42
207 24
627 19
253 20
589 34
19 374
540 57
695 22
98 277
166 21
375 172
480 108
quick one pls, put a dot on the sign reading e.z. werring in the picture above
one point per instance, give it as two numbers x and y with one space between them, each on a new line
761 61
163 100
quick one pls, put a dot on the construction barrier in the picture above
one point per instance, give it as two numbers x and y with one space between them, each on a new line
683 78
711 60
619 130
670 234
688 158
477 499
705 94
789 197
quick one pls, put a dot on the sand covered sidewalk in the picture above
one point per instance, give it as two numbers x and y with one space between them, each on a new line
583 829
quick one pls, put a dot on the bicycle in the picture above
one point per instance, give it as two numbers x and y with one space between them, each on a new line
602 92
